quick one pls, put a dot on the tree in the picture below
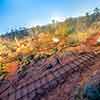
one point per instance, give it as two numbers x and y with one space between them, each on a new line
96 15
71 30
96 11
88 19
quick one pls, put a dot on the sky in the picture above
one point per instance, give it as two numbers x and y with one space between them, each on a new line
27 13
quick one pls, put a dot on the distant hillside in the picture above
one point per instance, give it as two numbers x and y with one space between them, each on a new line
16 33
89 23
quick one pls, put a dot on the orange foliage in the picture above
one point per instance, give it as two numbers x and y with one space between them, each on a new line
11 67
93 39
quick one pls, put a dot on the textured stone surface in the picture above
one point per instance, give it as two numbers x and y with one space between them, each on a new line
52 84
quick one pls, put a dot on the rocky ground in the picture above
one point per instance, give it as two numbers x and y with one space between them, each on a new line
66 79
69 89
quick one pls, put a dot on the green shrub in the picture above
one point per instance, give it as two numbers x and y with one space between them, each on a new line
3 73
73 43
70 30
54 50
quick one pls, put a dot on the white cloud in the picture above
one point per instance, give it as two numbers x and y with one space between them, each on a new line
57 16
35 23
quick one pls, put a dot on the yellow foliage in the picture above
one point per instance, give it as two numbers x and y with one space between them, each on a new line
44 37
82 36
24 50
60 29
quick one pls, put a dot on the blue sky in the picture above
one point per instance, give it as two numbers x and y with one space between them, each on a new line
16 13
